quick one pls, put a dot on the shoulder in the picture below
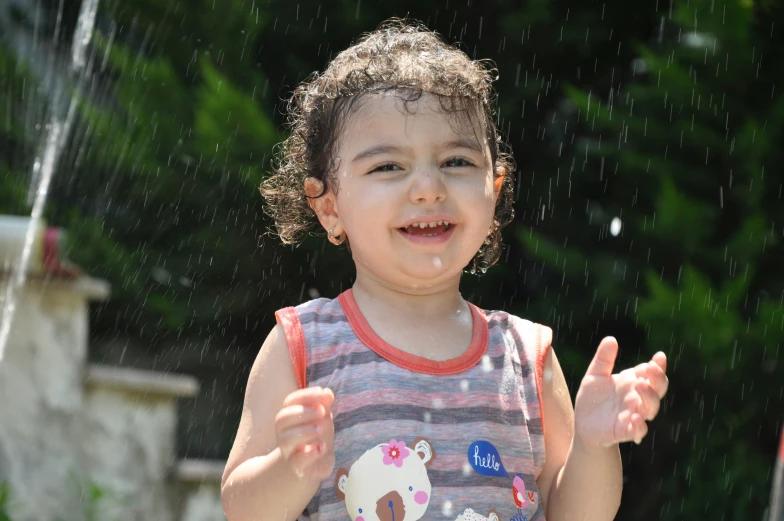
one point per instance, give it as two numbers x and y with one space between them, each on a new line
316 307
307 326
274 353
530 336
293 318
315 304
509 319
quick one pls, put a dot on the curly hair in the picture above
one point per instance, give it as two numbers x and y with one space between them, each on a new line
401 57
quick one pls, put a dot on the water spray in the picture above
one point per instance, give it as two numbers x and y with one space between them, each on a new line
63 110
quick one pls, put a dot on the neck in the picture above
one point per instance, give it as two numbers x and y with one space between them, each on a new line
438 301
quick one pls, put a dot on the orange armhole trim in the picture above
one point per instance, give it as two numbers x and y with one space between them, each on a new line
295 338
544 340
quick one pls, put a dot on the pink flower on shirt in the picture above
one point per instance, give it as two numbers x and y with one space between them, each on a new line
395 453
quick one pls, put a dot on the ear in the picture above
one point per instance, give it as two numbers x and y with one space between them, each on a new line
323 203
425 451
492 516
341 482
498 182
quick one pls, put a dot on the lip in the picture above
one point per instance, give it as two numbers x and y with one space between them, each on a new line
435 239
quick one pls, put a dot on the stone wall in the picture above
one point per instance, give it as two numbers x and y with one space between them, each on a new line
65 424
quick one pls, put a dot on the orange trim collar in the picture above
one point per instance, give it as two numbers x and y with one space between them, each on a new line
471 357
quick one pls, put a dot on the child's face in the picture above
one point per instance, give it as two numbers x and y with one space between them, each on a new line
397 167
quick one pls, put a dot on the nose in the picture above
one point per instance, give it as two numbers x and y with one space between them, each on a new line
391 507
427 185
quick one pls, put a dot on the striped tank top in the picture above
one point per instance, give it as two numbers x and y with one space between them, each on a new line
457 440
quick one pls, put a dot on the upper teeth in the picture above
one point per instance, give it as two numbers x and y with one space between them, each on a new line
429 225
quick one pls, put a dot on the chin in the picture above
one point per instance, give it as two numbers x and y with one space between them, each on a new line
431 272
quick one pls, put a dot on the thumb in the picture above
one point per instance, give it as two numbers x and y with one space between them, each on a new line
327 398
604 359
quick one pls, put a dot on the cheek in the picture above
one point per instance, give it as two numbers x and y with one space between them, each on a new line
421 497
477 193
364 211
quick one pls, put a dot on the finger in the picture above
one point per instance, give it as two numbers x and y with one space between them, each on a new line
632 422
328 401
299 415
640 428
327 398
307 396
327 427
625 419
661 360
301 435
658 380
632 401
642 370
649 407
296 439
304 458
604 359
634 427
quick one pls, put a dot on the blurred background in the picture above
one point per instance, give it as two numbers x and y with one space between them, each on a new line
137 284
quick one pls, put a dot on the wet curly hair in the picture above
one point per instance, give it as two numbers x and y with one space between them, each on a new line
409 60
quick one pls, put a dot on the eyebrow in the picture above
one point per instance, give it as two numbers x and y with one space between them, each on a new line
375 150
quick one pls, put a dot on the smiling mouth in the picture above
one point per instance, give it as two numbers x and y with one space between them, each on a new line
427 230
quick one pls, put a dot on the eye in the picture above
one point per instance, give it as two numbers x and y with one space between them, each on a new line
384 168
411 489
453 159
360 510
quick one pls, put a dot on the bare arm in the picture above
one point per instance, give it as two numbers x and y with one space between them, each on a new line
577 482
589 485
259 482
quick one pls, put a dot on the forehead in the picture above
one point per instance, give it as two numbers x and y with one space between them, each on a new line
390 117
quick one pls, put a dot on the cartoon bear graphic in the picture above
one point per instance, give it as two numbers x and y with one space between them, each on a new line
388 482
470 515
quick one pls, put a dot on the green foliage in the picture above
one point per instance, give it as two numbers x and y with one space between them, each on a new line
12 75
177 143
92 495
12 191
4 495
12 78
220 102
684 154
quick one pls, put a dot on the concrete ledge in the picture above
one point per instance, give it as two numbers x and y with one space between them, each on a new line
142 382
91 288
199 470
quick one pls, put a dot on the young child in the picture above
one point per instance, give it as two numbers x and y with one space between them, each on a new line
399 400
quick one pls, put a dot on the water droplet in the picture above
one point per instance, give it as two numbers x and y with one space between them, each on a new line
487 364
615 226
446 508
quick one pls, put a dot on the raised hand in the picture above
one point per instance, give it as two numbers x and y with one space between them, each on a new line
306 432
613 408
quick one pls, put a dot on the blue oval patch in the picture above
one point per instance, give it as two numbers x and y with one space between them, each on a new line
485 459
